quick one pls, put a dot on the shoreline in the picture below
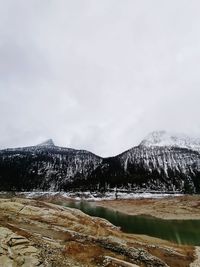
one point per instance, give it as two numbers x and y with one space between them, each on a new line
92 196
162 206
185 207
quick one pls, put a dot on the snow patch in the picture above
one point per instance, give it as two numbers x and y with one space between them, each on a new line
163 138
96 196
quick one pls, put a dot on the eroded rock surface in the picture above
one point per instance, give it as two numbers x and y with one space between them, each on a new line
36 233
17 250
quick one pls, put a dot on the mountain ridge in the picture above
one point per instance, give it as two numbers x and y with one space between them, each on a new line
154 139
144 167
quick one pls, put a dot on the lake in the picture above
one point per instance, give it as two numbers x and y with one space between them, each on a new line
179 231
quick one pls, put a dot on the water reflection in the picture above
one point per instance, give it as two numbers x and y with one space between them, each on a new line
180 231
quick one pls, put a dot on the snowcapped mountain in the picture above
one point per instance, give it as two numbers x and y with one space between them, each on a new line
161 162
163 138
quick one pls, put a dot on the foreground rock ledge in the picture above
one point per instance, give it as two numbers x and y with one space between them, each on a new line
36 233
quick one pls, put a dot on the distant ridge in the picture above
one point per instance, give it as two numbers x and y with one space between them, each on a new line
163 162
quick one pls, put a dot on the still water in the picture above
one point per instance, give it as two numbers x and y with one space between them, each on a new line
179 231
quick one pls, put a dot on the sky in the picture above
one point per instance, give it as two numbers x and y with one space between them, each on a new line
98 74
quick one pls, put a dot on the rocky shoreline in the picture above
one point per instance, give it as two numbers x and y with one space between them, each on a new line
37 233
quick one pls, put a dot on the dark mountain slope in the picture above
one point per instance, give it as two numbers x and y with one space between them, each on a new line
44 167
160 163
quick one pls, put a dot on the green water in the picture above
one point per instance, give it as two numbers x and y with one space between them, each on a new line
179 231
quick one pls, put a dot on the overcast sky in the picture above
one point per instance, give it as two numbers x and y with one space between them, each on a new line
98 74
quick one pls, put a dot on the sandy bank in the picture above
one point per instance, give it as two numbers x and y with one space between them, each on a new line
169 208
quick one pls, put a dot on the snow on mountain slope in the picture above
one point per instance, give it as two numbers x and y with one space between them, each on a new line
162 168
163 138
162 158
44 166
162 162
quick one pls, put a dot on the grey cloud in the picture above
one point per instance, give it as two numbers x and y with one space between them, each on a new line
98 75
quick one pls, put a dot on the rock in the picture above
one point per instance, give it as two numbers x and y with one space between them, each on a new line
1 250
135 254
5 261
36 233
30 261
19 260
118 262
15 240
17 250
29 250
196 262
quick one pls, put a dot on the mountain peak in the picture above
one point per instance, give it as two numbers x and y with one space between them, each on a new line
163 138
47 143
155 138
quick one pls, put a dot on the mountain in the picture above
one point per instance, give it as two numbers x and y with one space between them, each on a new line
44 167
161 162
163 138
